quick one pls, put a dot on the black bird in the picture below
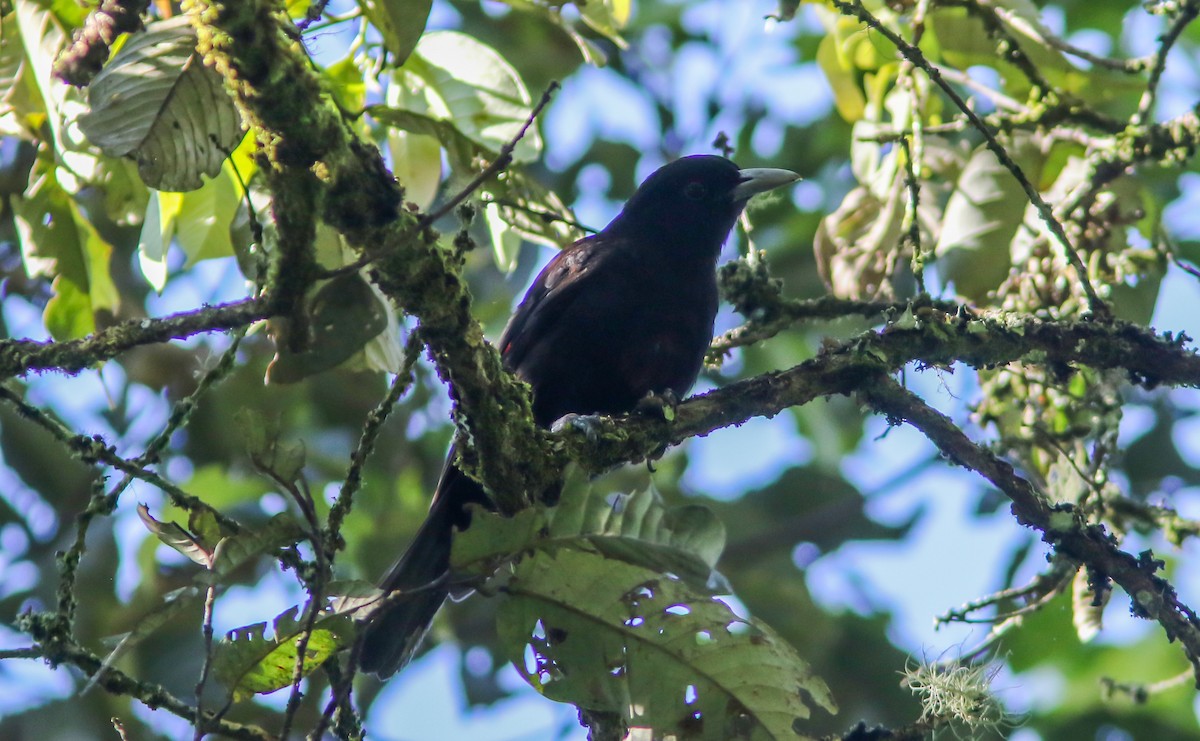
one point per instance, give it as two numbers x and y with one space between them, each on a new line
615 316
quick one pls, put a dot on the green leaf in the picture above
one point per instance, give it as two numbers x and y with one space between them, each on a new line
177 538
346 82
983 216
400 23
250 663
854 244
477 90
616 637
155 239
43 37
605 17
281 531
202 224
353 597
635 528
533 211
68 313
843 81
24 110
591 52
506 243
345 314
157 102
965 41
416 156
57 240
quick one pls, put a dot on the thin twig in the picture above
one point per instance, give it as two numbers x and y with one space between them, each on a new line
1060 524
119 683
544 215
18 357
502 160
1187 13
206 630
366 444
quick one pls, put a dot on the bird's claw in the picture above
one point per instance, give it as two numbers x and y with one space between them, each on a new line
661 404
588 424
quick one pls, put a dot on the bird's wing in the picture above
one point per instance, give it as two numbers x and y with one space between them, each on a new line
555 288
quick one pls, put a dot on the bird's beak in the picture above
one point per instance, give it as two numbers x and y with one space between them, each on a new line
761 179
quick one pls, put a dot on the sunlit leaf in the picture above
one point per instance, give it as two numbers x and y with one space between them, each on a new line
416 157
983 216
400 23
506 244
606 17
847 94
249 663
1087 613
42 37
155 239
477 89
347 84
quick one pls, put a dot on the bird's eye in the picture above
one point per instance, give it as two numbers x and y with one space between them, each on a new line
695 191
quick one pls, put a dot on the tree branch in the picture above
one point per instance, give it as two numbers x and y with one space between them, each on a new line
18 357
1062 525
301 131
928 337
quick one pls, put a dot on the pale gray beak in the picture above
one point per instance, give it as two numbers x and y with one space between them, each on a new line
757 180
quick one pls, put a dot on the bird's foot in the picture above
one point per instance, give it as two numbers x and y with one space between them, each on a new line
588 424
661 404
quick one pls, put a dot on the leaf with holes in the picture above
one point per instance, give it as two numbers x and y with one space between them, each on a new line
249 662
634 528
614 637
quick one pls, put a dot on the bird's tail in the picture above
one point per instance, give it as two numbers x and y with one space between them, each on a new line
395 632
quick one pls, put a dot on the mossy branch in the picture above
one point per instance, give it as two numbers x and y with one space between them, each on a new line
303 134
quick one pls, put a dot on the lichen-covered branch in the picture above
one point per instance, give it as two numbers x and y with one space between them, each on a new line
253 46
117 682
928 337
1062 525
18 357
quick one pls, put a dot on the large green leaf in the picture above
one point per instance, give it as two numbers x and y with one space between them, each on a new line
635 528
416 156
983 216
23 108
400 23
42 37
199 221
964 41
58 241
157 102
619 638
476 89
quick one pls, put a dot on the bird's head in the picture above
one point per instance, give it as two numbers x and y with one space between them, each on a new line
692 203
